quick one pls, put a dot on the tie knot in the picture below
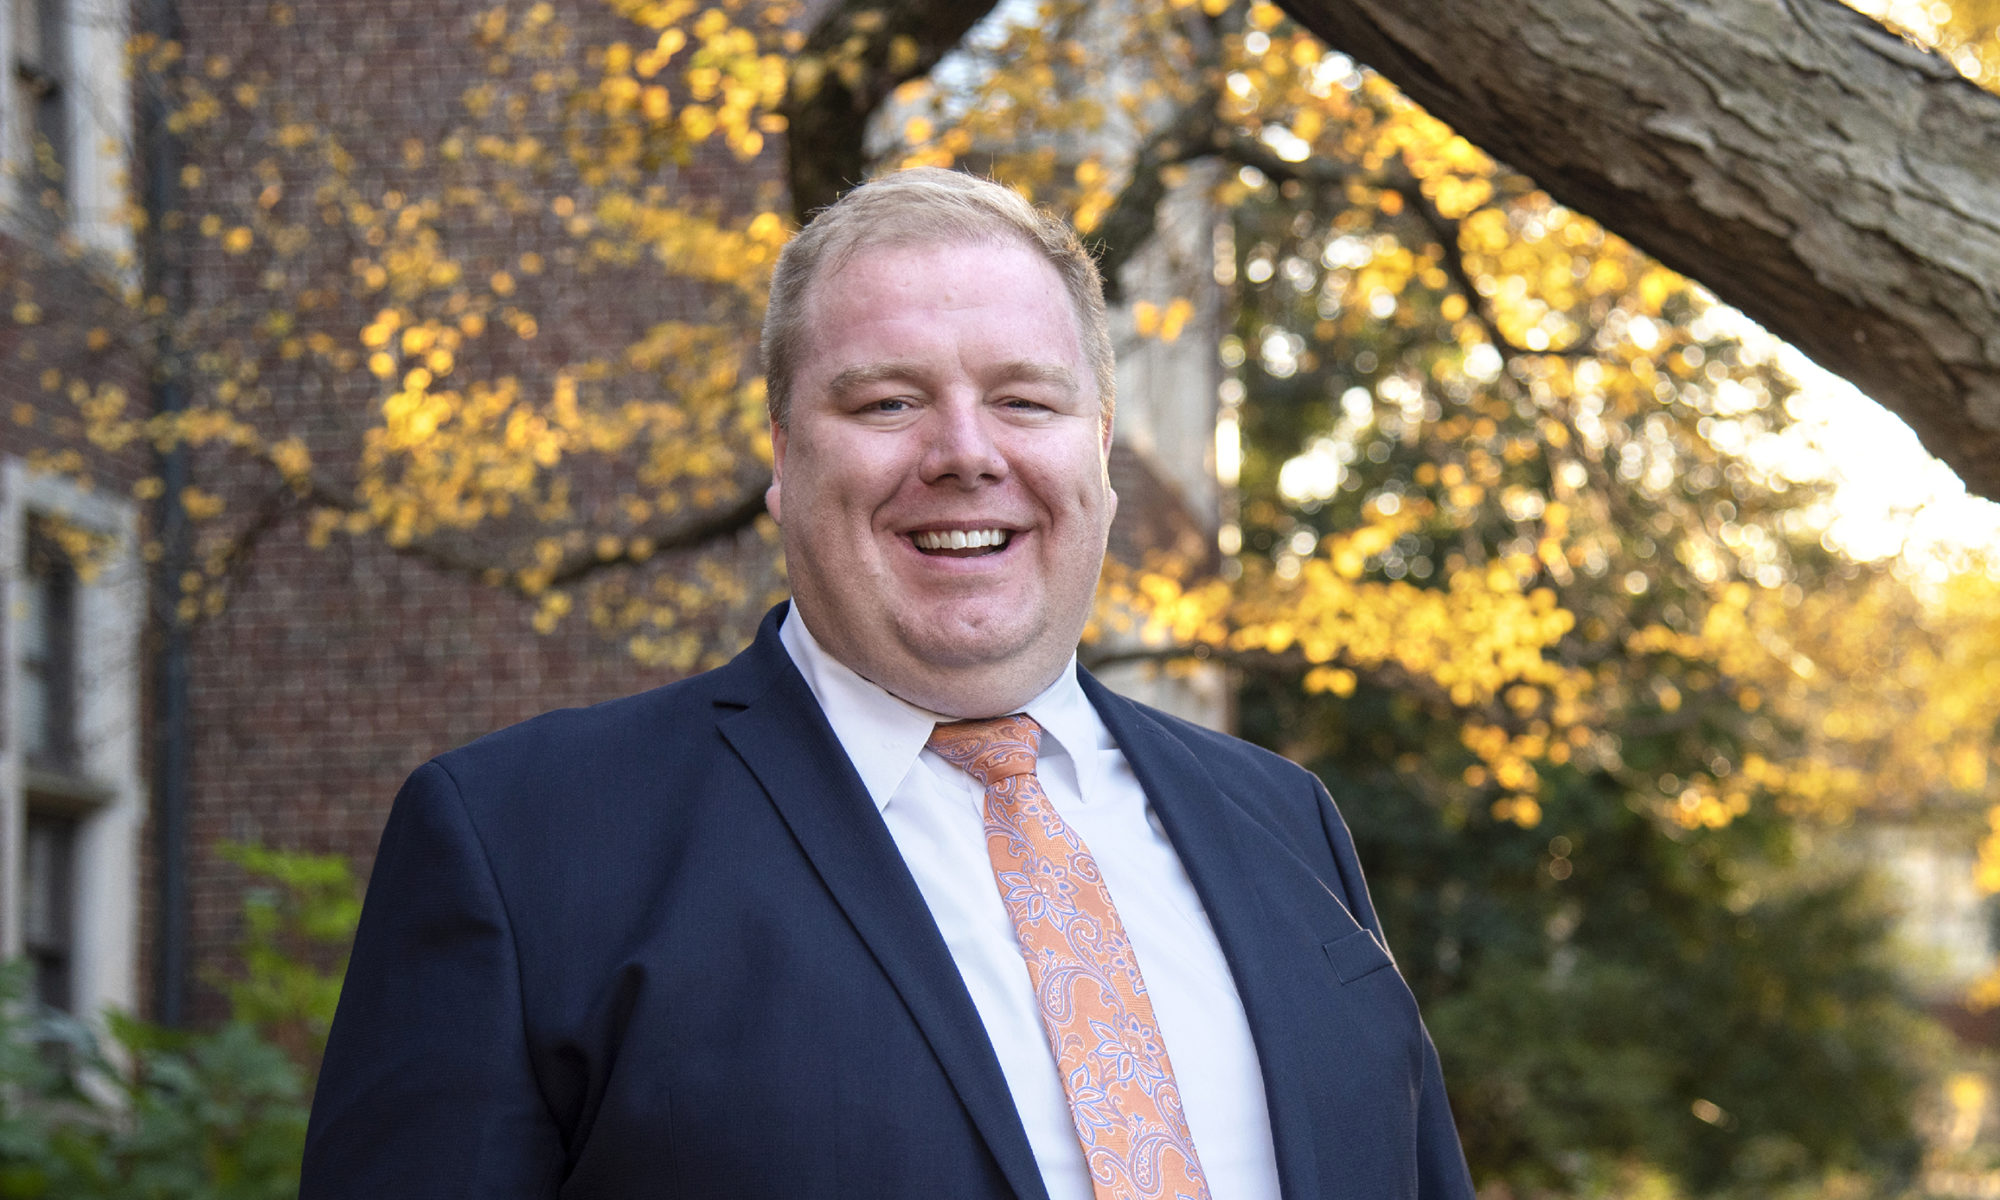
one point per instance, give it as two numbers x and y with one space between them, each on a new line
990 750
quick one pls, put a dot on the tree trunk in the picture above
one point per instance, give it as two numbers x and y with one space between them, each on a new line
1833 182
858 51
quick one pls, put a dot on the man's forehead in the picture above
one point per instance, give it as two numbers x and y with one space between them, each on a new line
889 242
826 288
954 255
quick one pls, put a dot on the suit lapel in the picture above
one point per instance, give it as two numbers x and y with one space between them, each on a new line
785 741
1209 832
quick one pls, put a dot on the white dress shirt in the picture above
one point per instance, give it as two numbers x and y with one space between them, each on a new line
936 814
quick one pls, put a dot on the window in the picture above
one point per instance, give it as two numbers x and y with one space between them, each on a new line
66 120
46 902
47 633
41 60
48 652
72 801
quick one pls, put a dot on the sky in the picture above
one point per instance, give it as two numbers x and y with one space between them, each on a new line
1891 497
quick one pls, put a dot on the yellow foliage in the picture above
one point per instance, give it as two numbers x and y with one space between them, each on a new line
1150 320
462 438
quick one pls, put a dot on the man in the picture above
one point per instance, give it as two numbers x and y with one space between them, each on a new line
899 903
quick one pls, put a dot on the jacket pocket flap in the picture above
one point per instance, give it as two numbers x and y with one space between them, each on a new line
1356 955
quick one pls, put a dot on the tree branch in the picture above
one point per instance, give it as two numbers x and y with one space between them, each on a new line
683 533
1317 173
1810 168
1325 175
1386 676
859 52
1130 222
1445 231
667 535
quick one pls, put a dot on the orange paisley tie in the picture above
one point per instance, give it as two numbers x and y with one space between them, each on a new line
1108 1049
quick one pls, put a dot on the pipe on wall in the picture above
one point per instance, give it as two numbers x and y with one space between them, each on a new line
165 277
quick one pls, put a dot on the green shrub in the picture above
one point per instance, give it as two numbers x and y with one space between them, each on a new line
163 1114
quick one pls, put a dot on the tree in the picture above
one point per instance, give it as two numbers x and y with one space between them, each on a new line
357 338
1814 170
1646 882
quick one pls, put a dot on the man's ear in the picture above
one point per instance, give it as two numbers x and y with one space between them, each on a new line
774 494
1111 497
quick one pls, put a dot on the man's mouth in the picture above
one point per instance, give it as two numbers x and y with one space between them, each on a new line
961 543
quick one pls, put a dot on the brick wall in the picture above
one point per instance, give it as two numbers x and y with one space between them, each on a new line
332 672
62 305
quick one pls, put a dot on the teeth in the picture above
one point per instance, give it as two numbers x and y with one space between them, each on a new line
960 539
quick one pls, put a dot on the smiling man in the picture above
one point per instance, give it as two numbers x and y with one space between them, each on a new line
899 903
940 473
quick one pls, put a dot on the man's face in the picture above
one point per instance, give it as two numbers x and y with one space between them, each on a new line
941 483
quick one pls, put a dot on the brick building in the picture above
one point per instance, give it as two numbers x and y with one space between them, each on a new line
319 670
73 798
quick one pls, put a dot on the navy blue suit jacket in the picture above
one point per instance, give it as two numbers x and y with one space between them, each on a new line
666 947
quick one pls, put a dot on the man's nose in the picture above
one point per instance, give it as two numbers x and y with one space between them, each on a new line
961 447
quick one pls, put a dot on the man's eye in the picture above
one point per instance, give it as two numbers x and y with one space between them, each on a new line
891 404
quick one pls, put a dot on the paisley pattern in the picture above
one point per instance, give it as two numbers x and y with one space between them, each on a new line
1108 1048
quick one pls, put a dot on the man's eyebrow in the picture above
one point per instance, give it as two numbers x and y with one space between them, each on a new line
1028 371
855 378
1018 371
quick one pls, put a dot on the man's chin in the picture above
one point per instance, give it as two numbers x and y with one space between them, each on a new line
961 654
968 635
970 691
949 667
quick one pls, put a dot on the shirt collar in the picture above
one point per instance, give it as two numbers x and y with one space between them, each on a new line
884 734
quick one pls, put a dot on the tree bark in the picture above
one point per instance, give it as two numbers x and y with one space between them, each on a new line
1836 184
